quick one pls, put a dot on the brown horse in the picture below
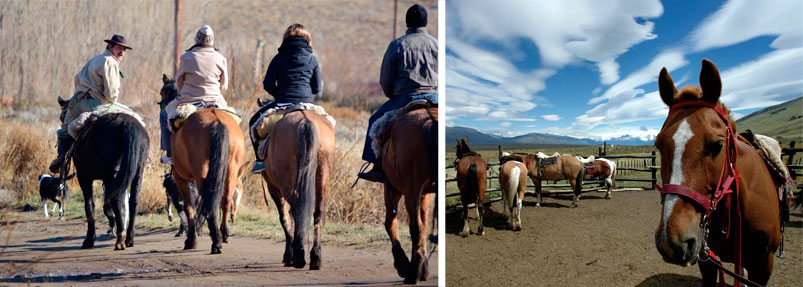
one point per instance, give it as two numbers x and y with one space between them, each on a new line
696 142
410 160
298 167
471 180
565 167
513 179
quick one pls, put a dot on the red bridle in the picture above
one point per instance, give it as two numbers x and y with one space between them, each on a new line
724 184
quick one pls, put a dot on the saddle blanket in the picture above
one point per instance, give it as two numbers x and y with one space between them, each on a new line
261 128
183 111
381 129
74 128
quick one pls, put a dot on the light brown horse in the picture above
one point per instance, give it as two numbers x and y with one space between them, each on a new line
695 141
565 167
471 180
513 180
298 166
410 160
208 149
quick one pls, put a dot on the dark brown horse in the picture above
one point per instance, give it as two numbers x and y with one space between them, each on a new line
472 181
298 167
564 167
208 149
697 152
409 158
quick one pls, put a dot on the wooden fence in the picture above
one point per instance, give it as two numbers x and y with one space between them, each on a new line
625 165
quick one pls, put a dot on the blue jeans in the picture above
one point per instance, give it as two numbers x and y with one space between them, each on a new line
393 103
164 143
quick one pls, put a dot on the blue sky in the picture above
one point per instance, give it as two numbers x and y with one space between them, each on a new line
588 68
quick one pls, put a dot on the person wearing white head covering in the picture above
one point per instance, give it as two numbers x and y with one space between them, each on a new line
202 76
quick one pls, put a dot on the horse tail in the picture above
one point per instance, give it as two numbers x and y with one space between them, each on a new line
472 183
305 181
133 149
513 184
213 185
613 173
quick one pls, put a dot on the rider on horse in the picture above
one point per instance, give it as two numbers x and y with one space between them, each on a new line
201 78
409 72
96 88
293 77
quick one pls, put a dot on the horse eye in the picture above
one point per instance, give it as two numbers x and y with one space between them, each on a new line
714 148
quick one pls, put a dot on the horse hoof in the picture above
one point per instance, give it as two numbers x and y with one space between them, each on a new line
170 218
537 205
464 234
129 243
216 250
315 266
189 246
288 263
119 246
411 280
61 218
299 263
87 245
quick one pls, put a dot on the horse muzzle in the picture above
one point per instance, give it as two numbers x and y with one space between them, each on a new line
681 251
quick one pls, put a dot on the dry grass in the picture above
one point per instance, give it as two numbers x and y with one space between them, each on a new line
46 42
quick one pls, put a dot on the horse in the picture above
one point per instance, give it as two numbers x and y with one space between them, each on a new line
298 168
564 167
702 162
603 168
410 160
208 149
513 180
472 181
112 148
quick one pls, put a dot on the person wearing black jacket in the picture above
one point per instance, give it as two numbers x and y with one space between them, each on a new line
293 77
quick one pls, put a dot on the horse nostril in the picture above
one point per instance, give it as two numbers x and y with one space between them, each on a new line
690 247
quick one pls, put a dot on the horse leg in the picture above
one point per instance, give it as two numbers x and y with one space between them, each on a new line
117 207
609 184
189 211
89 209
466 228
109 213
576 188
214 231
761 271
506 207
480 214
319 215
133 208
413 205
400 260
286 220
709 273
61 207
169 211
537 182
226 203
426 209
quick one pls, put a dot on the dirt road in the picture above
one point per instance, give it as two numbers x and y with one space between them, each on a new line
45 250
601 243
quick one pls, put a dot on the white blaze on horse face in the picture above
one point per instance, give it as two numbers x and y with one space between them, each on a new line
681 137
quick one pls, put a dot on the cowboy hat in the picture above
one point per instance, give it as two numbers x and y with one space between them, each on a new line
118 40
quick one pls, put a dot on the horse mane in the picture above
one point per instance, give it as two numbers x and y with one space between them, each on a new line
693 93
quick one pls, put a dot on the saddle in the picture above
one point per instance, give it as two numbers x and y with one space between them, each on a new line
261 128
547 161
590 167
509 157
770 151
380 132
183 111
87 118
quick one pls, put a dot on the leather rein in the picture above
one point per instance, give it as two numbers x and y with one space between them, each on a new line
724 188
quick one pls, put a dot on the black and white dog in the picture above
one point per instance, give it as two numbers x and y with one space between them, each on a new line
50 188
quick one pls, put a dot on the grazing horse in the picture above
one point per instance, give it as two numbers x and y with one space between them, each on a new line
472 181
717 192
112 148
209 150
297 171
410 159
513 179
602 168
564 167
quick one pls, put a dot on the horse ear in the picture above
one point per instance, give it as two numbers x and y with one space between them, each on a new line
165 79
710 82
466 139
666 88
62 102
457 139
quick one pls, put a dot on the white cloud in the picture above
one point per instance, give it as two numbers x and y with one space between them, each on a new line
772 79
563 31
505 124
671 59
552 118
741 20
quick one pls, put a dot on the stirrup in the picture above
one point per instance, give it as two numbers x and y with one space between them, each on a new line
166 160
362 170
259 166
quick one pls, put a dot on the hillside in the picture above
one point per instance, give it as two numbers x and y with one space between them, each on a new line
532 139
783 122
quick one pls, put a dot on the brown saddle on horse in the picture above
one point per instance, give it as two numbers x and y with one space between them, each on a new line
183 111
381 129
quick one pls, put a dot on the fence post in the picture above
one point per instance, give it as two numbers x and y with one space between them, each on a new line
789 160
652 167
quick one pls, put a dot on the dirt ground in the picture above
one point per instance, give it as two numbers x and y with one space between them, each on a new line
601 243
46 250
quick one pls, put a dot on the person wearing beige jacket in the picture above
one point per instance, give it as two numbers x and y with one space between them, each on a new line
202 77
96 88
